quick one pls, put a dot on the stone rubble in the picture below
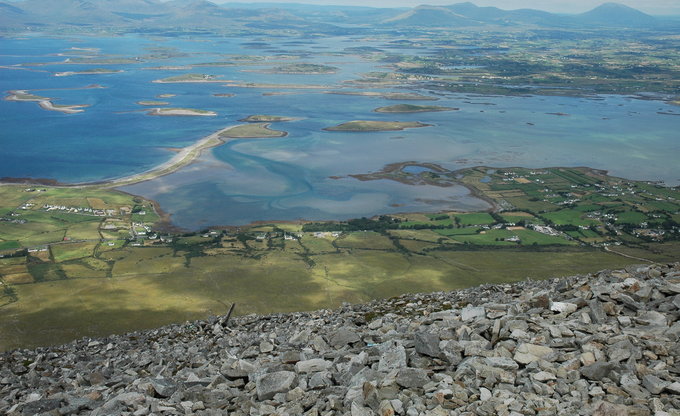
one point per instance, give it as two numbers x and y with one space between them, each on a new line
600 344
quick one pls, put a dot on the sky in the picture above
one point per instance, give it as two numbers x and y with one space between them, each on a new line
655 7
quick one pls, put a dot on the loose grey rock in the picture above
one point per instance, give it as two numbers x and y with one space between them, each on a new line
412 378
654 384
312 366
163 387
393 357
470 313
343 336
598 370
40 406
268 385
505 353
427 343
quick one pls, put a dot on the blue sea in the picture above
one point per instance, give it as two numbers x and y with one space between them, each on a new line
303 175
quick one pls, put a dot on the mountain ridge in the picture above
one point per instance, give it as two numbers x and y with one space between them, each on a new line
204 14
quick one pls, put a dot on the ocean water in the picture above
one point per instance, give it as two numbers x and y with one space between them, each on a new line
289 178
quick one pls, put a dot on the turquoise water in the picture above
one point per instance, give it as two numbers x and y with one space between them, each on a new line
289 178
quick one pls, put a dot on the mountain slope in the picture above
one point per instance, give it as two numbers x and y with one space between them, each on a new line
431 16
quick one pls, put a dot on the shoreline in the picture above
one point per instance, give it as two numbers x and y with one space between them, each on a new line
184 157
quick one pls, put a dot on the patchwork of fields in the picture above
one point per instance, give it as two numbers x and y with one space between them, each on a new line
79 262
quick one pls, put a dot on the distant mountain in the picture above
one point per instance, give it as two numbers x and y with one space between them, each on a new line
616 15
72 12
206 15
11 16
494 15
431 16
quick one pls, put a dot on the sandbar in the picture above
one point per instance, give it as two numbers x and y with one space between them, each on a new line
68 109
152 102
88 72
180 112
184 157
44 102
274 86
389 95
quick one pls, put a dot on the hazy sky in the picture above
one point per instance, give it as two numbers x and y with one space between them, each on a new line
559 6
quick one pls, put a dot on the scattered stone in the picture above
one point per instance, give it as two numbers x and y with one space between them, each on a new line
312 366
470 313
342 337
654 384
604 344
427 344
268 385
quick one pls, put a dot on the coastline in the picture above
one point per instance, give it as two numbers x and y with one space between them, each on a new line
184 157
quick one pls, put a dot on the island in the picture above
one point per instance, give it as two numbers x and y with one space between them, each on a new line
44 102
410 108
274 86
260 118
369 126
252 131
188 78
166 95
403 96
304 69
226 95
180 112
152 102
94 71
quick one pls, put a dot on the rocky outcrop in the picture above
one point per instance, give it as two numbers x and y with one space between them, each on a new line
602 344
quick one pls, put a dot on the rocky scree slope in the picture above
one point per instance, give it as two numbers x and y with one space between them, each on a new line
601 344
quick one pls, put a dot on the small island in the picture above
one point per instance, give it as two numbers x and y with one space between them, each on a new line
44 102
226 95
410 108
152 103
402 96
188 78
94 71
251 131
180 112
262 118
370 126
166 95
305 69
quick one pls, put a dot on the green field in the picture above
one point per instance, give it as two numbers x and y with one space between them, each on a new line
263 118
153 286
87 273
253 130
